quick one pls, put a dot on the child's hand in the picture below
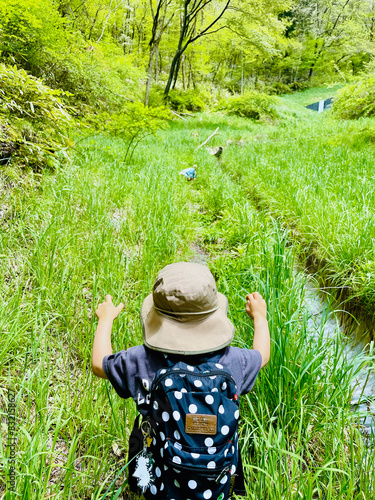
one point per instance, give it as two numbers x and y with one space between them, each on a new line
256 306
107 310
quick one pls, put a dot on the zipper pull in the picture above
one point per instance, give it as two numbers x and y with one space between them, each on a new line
222 474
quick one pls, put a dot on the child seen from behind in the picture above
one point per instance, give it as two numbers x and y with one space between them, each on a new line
185 380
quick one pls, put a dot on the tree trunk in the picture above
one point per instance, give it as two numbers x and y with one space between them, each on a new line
172 73
316 57
158 65
188 36
183 72
242 72
149 73
176 71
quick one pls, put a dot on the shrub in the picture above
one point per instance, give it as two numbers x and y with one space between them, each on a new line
186 100
156 97
34 121
133 123
98 77
23 95
356 100
252 104
279 88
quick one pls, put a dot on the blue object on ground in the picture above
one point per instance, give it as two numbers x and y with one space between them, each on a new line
189 173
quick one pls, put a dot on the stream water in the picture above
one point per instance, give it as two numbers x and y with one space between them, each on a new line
323 321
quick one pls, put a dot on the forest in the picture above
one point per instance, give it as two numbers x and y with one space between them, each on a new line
102 106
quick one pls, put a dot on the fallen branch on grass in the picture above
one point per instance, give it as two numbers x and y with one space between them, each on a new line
205 142
182 118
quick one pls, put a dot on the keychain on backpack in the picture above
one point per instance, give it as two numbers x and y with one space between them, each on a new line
144 466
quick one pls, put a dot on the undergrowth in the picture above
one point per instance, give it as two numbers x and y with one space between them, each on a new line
105 226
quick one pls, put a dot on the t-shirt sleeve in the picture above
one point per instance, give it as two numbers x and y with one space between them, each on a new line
114 367
251 360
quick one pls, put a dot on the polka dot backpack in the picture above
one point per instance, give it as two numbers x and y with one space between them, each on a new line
194 412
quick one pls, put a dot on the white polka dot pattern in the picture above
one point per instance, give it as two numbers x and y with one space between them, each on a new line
208 441
224 480
225 430
183 389
176 415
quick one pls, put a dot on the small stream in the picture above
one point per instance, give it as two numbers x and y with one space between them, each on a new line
323 318
363 396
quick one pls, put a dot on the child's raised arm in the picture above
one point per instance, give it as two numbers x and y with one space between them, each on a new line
107 313
256 308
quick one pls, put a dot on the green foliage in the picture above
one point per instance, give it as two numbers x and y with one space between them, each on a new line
186 100
133 123
27 26
37 38
356 100
23 95
34 121
156 97
98 77
252 104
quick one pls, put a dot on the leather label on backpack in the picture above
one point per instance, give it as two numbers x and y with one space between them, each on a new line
200 424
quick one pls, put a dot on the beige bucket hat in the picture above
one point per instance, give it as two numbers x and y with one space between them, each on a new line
185 314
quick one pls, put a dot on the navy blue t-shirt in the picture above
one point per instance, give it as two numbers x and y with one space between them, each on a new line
131 372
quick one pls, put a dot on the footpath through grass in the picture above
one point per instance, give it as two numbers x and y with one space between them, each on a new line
99 227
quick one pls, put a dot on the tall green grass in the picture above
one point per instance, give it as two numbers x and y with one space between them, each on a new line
100 226
316 174
299 436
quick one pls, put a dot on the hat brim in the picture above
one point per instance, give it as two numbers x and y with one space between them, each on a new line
167 335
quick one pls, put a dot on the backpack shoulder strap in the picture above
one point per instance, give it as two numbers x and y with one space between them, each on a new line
194 359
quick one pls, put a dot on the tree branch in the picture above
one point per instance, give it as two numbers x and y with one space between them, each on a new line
210 25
